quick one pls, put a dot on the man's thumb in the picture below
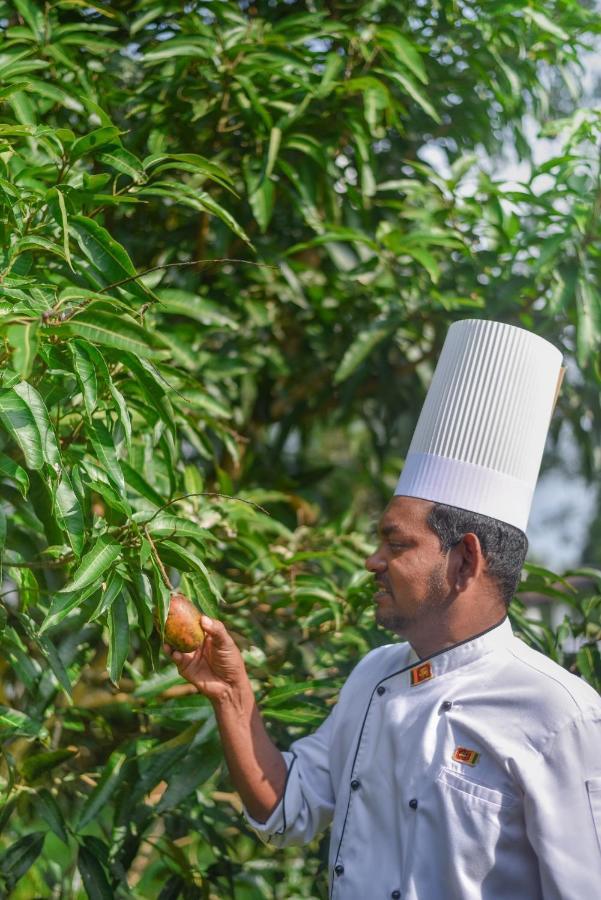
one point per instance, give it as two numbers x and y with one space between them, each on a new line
215 629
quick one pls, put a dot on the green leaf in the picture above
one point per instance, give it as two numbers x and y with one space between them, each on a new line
65 601
404 50
135 480
50 811
123 161
425 259
18 723
110 589
118 627
199 200
33 15
166 525
52 92
2 533
411 88
23 338
20 856
157 763
202 588
61 215
363 345
158 683
56 664
281 694
588 660
108 493
193 306
17 419
262 201
86 374
11 469
275 139
120 333
196 163
106 254
124 417
94 141
545 23
93 875
69 513
107 455
333 235
38 764
94 564
300 715
112 776
588 319
36 242
33 400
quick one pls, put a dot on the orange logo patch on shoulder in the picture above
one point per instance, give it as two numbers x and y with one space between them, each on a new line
421 673
465 755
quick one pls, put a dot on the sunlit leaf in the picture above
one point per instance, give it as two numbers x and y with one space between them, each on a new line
95 562
24 340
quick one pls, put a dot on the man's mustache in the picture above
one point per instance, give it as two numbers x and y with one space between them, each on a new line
382 584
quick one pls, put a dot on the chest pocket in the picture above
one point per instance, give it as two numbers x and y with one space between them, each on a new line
478 828
474 796
473 790
593 787
471 820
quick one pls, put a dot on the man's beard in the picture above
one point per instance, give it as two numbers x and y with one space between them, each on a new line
437 595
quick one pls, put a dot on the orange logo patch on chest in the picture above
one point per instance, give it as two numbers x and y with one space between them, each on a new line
465 755
421 673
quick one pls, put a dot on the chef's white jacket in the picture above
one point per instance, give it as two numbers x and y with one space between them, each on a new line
474 775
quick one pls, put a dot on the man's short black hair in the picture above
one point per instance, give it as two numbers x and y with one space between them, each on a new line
504 547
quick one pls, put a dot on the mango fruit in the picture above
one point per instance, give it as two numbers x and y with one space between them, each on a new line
183 630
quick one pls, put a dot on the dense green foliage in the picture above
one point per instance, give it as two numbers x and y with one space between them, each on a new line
226 271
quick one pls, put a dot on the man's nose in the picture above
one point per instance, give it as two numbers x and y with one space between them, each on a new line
375 563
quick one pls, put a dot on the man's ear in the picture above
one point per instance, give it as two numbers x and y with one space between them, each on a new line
468 561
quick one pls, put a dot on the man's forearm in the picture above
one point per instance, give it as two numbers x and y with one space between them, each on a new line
256 766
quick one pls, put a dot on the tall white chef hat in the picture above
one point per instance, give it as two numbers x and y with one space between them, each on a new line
480 436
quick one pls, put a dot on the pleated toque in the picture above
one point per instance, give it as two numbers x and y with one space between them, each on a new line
481 433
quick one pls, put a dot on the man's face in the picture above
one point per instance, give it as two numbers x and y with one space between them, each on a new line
409 568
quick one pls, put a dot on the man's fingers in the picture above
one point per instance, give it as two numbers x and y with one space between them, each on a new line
216 630
181 656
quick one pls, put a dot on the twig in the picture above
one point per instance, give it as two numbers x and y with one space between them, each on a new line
158 561
189 262
51 564
206 494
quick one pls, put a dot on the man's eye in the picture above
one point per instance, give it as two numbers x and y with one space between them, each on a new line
396 547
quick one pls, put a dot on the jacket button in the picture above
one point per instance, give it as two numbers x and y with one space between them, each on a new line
446 705
355 784
339 869
396 895
381 689
413 803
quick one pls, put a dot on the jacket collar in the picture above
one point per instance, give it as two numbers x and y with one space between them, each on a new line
466 651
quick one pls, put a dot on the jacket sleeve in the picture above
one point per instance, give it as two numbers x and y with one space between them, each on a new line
563 810
307 805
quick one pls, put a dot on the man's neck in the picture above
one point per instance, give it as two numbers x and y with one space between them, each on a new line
431 636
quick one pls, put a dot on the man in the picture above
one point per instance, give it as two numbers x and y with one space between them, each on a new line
460 764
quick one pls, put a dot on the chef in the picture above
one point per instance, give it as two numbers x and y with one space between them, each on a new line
459 764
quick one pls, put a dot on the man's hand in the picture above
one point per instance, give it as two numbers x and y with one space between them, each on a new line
216 669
